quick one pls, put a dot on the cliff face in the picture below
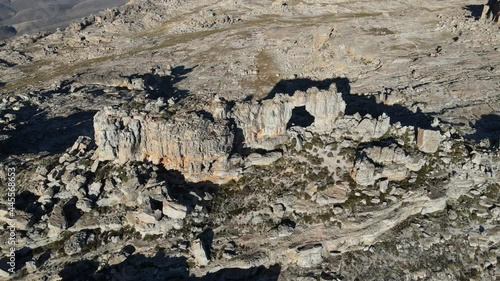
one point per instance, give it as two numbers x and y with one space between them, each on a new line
191 144
265 123
198 145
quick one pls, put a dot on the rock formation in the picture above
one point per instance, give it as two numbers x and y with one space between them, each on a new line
194 145
264 124
246 140
428 141
198 145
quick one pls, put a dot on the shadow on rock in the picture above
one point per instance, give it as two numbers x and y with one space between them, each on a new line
355 103
21 256
475 10
260 273
35 133
160 267
79 271
157 86
488 127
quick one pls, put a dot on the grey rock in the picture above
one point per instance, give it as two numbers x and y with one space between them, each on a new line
428 141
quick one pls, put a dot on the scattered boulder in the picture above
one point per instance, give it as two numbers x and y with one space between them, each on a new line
428 141
256 159
389 162
57 222
364 172
174 210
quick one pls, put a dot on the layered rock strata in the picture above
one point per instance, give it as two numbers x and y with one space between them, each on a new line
194 145
199 144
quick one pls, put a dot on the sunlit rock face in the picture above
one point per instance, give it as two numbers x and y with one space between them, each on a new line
264 123
196 146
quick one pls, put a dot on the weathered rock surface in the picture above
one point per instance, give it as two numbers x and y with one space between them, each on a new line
264 123
196 146
390 162
282 101
199 253
428 141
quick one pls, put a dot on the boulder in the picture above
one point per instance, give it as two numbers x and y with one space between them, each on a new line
309 256
199 253
364 172
174 210
57 222
428 141
256 159
77 242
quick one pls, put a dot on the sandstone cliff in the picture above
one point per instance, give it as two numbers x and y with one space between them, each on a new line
199 145
264 124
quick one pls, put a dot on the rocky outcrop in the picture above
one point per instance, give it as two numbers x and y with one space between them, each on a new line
362 128
199 143
196 146
199 253
428 141
264 123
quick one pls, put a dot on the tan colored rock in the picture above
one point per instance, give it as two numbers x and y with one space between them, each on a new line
266 121
193 145
199 253
174 210
57 222
363 173
256 159
428 141
309 255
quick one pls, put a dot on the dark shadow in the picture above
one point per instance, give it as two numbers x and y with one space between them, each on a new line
300 117
36 133
475 10
488 127
128 250
207 238
157 86
7 32
71 213
289 87
205 115
6 63
160 267
356 103
155 204
43 258
28 202
2 84
260 273
238 141
22 256
288 222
